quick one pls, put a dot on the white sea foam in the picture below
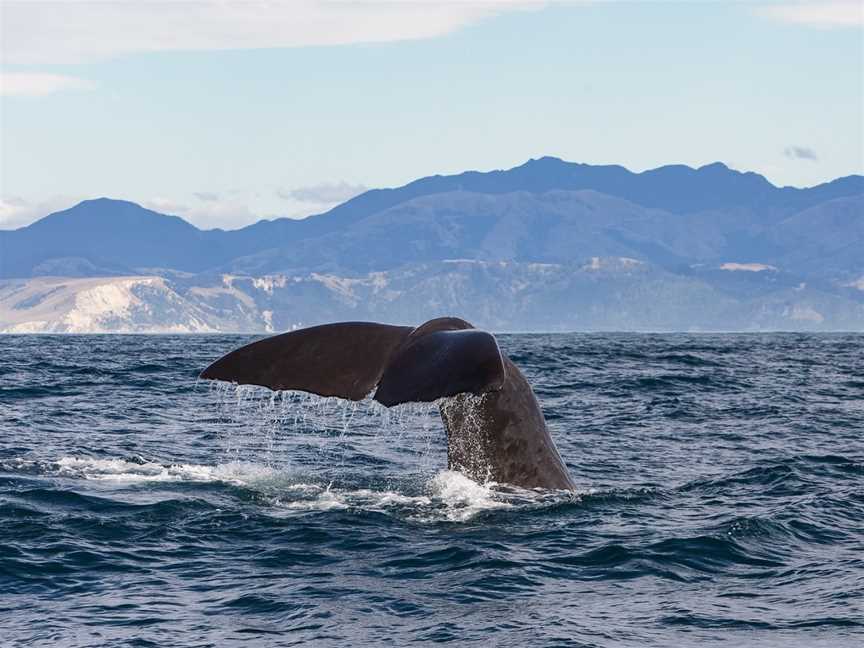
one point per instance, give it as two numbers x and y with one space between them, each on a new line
122 470
446 496
465 498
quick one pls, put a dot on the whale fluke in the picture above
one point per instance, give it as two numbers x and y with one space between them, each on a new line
345 359
500 437
350 359
441 364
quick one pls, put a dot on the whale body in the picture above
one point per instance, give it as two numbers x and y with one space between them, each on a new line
495 428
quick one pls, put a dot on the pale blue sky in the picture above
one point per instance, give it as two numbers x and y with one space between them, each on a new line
186 118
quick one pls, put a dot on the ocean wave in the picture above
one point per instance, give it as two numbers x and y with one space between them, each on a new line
782 476
445 496
720 504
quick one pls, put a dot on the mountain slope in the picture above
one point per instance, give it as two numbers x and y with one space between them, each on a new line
101 237
98 305
105 236
553 227
676 188
823 240
611 293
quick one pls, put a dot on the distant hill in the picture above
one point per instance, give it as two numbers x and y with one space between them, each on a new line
714 248
103 236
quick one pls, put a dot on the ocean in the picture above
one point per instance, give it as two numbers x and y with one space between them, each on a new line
720 501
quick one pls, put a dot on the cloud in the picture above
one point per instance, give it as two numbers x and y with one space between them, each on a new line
83 31
207 214
817 13
207 196
37 84
165 206
800 153
36 32
323 194
17 212
227 215
240 211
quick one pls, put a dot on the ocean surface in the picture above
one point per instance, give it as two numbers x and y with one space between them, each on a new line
720 502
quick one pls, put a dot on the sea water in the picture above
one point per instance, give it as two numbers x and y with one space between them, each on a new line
720 501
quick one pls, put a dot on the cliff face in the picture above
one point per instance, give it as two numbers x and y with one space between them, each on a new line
601 293
98 305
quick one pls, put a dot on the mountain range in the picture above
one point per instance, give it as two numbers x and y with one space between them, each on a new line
546 245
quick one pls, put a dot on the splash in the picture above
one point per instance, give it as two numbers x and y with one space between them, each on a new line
296 428
464 498
446 496
138 471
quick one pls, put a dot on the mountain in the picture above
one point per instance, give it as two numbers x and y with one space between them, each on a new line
548 244
103 236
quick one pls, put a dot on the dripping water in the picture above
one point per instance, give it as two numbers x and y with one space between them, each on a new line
283 428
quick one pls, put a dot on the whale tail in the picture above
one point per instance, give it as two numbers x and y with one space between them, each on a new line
441 358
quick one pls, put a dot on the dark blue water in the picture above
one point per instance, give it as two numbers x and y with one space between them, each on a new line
721 501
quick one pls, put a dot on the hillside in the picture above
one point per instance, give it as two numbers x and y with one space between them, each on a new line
547 245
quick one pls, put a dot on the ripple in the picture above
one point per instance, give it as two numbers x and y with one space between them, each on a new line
719 502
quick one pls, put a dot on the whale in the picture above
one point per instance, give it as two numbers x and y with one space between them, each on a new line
494 425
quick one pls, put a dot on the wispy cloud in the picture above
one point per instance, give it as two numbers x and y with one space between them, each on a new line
207 214
817 13
166 206
37 84
14 212
207 196
323 194
800 153
86 30
17 212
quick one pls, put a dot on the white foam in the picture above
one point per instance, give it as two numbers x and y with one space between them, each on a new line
121 470
464 498
446 496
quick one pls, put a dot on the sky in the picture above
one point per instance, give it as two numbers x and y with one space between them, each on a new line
226 112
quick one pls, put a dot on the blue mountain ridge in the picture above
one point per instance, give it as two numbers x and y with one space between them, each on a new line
544 210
